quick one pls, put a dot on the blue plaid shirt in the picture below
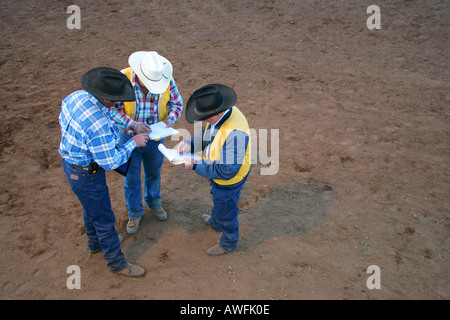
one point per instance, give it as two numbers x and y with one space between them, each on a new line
90 134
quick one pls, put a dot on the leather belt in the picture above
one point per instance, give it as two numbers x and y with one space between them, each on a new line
81 168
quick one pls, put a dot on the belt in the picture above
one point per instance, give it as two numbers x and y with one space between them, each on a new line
81 168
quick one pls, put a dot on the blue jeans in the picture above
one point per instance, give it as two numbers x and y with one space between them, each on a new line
224 215
99 219
152 160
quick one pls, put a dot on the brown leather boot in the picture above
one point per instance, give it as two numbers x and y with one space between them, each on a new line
206 218
132 271
216 251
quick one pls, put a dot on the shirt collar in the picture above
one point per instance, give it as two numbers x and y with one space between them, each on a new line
219 121
133 77
100 105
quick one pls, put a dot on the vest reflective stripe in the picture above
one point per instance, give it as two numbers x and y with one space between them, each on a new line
130 106
236 121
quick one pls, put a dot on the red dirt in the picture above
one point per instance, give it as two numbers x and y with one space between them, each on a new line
363 149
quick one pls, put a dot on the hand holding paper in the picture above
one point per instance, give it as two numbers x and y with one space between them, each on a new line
189 164
175 157
183 147
143 128
161 130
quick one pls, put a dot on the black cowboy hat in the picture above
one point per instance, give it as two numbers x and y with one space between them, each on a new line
209 101
108 83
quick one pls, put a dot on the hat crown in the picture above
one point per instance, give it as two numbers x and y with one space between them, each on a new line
208 98
208 101
154 71
110 83
152 66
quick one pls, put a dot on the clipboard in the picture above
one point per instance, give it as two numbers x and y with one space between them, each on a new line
123 169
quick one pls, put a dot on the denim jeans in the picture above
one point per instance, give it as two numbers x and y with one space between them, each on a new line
99 219
224 215
152 159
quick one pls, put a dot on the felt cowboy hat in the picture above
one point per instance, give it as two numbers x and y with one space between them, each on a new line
209 101
108 83
153 70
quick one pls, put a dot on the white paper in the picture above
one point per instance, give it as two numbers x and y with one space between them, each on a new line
160 130
175 157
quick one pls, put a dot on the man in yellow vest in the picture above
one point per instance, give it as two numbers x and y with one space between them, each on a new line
157 99
225 147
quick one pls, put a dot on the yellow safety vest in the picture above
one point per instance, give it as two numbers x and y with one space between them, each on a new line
236 121
130 106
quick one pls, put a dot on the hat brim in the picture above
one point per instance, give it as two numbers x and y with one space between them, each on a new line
156 87
229 100
88 84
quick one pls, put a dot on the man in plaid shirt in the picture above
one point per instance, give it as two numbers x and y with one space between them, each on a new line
88 147
157 99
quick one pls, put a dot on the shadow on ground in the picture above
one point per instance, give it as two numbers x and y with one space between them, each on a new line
290 209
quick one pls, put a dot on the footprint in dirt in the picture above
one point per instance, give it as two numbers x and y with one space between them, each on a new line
290 209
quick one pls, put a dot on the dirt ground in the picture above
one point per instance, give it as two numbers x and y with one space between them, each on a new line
360 171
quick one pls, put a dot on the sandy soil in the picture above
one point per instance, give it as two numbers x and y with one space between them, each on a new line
362 117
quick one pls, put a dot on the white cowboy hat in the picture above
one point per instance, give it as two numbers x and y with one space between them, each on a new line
153 70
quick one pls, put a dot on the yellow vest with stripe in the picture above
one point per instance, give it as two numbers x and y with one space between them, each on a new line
236 121
130 106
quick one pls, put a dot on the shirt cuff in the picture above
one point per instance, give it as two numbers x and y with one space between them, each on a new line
171 117
130 145
134 125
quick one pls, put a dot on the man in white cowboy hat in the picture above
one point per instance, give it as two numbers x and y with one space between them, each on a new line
88 147
225 146
157 99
